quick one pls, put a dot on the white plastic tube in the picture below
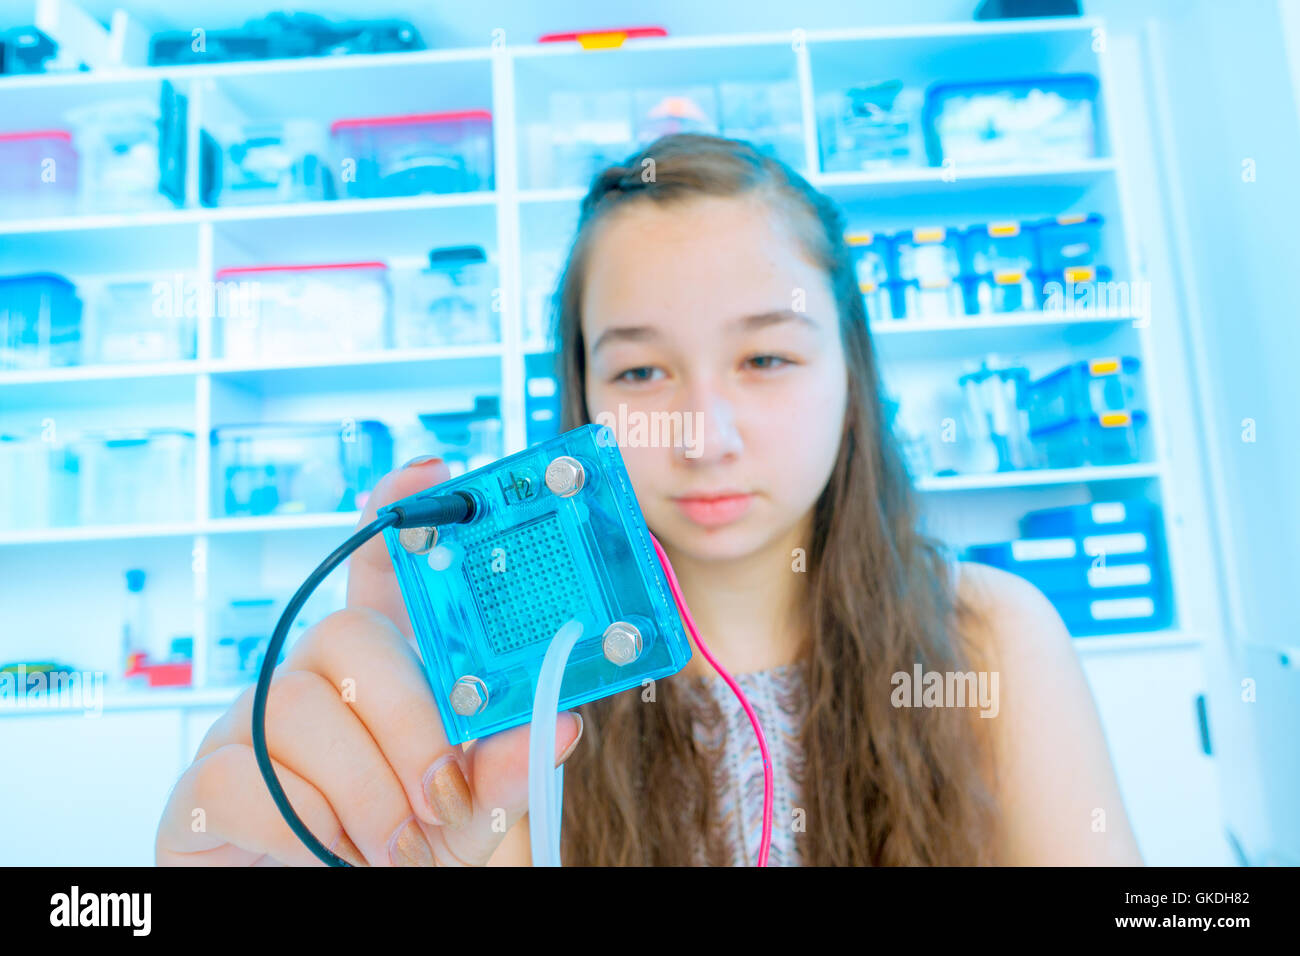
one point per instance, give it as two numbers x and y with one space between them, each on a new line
545 780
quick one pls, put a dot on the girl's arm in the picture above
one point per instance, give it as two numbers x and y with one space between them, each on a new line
1055 784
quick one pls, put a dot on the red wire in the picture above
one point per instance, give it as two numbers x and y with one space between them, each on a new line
735 689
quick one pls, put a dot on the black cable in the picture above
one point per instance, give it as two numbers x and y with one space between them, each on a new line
455 508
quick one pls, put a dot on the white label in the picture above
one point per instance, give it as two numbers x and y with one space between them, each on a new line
1108 512
1133 542
1043 549
1119 575
541 387
1114 608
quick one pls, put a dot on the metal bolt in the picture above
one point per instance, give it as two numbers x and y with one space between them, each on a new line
622 643
565 477
418 540
469 695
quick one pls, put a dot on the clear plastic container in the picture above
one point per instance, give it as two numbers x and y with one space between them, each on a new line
996 418
767 115
469 439
307 468
46 475
662 112
995 248
1096 386
135 321
1049 119
871 127
285 161
871 257
40 322
450 303
1082 290
412 154
38 174
928 254
1110 439
1005 291
119 465
120 159
542 271
333 308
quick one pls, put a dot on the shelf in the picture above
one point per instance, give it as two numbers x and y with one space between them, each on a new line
1043 476
119 698
924 179
1140 641
1011 334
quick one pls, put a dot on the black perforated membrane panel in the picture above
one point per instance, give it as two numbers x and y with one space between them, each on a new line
536 593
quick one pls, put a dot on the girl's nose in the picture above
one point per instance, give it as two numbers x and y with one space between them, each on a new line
711 427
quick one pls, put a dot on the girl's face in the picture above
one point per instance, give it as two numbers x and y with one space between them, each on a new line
713 352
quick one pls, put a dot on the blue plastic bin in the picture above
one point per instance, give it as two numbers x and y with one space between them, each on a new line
872 261
1096 386
1068 241
1110 439
40 322
1098 517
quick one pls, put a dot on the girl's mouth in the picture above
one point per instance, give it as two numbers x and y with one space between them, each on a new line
713 511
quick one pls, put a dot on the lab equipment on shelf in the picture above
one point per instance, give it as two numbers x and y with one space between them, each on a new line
292 310
873 126
24 50
285 35
1102 565
766 115
664 111
38 173
449 303
137 321
915 446
1069 242
1111 439
929 273
298 468
872 254
1034 120
541 398
411 154
116 464
997 423
1096 386
136 630
121 161
40 322
46 469
999 264
584 132
274 161
465 439
244 629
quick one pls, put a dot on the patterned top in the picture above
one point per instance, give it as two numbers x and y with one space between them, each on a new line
722 731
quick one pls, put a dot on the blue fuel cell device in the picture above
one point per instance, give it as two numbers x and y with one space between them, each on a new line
556 535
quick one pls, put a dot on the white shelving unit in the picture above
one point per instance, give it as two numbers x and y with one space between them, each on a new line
202 562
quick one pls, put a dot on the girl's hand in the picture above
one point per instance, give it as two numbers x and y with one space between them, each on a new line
357 743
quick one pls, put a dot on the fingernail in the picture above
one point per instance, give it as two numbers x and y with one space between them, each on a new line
408 847
422 460
345 848
568 751
447 792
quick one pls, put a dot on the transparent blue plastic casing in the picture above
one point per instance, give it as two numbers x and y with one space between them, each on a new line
488 598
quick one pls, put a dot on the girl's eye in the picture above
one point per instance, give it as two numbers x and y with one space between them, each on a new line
769 365
635 375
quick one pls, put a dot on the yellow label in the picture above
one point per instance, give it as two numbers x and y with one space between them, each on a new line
602 41
931 234
1112 419
1103 366
1002 229
867 287
1079 273
1009 278
1072 220
859 238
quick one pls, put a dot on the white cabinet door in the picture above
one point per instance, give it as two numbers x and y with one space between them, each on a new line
86 791
1148 706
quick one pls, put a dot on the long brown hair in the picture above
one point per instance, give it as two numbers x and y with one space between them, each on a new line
879 785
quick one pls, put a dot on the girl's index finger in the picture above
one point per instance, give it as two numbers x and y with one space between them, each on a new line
371 580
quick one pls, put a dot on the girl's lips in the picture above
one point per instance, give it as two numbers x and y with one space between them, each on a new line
712 512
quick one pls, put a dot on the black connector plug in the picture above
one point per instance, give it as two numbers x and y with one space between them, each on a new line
432 511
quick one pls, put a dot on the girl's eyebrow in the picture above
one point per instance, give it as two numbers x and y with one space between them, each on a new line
746 323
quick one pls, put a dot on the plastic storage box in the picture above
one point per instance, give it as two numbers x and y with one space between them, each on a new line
417 153
583 133
1083 291
136 321
266 468
48 473
1096 386
1111 439
40 322
997 422
450 303
1099 517
284 161
120 157
280 311
1000 263
872 253
133 476
38 174
469 439
1069 241
929 273
870 127
1041 120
